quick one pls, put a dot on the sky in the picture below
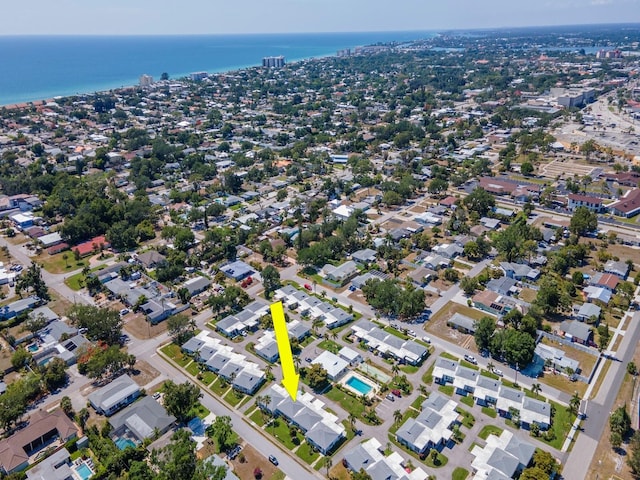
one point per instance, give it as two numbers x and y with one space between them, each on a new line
152 17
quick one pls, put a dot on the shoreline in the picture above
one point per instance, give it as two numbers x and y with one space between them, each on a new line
24 99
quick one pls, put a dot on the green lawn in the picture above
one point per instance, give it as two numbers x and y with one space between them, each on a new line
308 340
207 377
256 416
346 401
464 363
193 368
417 403
446 389
486 373
233 398
409 368
307 453
490 412
427 378
560 426
279 475
218 388
449 356
441 461
201 411
396 425
330 345
467 419
348 430
281 432
73 282
459 474
57 264
174 353
468 400
395 332
489 430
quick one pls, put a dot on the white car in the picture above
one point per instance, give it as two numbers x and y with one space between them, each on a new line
498 372
426 339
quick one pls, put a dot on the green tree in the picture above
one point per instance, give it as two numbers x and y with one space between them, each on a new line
35 324
270 279
67 406
632 369
485 328
583 221
31 281
316 376
550 297
526 168
181 399
102 324
21 358
620 421
479 201
181 328
468 285
55 374
222 431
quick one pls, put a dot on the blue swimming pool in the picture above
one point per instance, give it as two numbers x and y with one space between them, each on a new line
123 443
33 347
84 471
359 385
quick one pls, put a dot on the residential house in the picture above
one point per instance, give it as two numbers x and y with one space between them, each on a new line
350 355
340 274
618 268
502 457
370 457
246 320
151 259
535 411
14 309
421 276
599 294
502 286
448 250
587 311
143 419
196 285
389 345
576 200
556 358
605 280
237 270
490 302
365 257
519 271
321 428
486 391
509 399
335 366
114 396
43 430
432 428
462 323
465 380
444 370
55 467
578 332
94 245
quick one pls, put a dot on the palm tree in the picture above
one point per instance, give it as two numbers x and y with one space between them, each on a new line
574 403
536 388
397 416
296 360
327 464
268 369
490 366
334 335
395 369
316 324
352 420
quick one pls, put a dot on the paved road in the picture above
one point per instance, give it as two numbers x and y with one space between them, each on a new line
599 409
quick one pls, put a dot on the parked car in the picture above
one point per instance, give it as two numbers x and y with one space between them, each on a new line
124 311
352 288
471 359
498 372
426 339
396 392
307 286
308 360
390 397
273 459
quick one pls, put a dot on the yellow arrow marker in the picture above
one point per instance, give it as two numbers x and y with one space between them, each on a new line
290 377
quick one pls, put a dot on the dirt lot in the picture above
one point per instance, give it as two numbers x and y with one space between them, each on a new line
603 464
144 373
252 459
437 325
136 325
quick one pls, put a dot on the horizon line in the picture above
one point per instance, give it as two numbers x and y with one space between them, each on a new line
426 30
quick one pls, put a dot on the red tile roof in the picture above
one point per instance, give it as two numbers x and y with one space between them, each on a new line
92 245
628 203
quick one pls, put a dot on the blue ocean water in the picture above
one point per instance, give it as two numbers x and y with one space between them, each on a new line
41 67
